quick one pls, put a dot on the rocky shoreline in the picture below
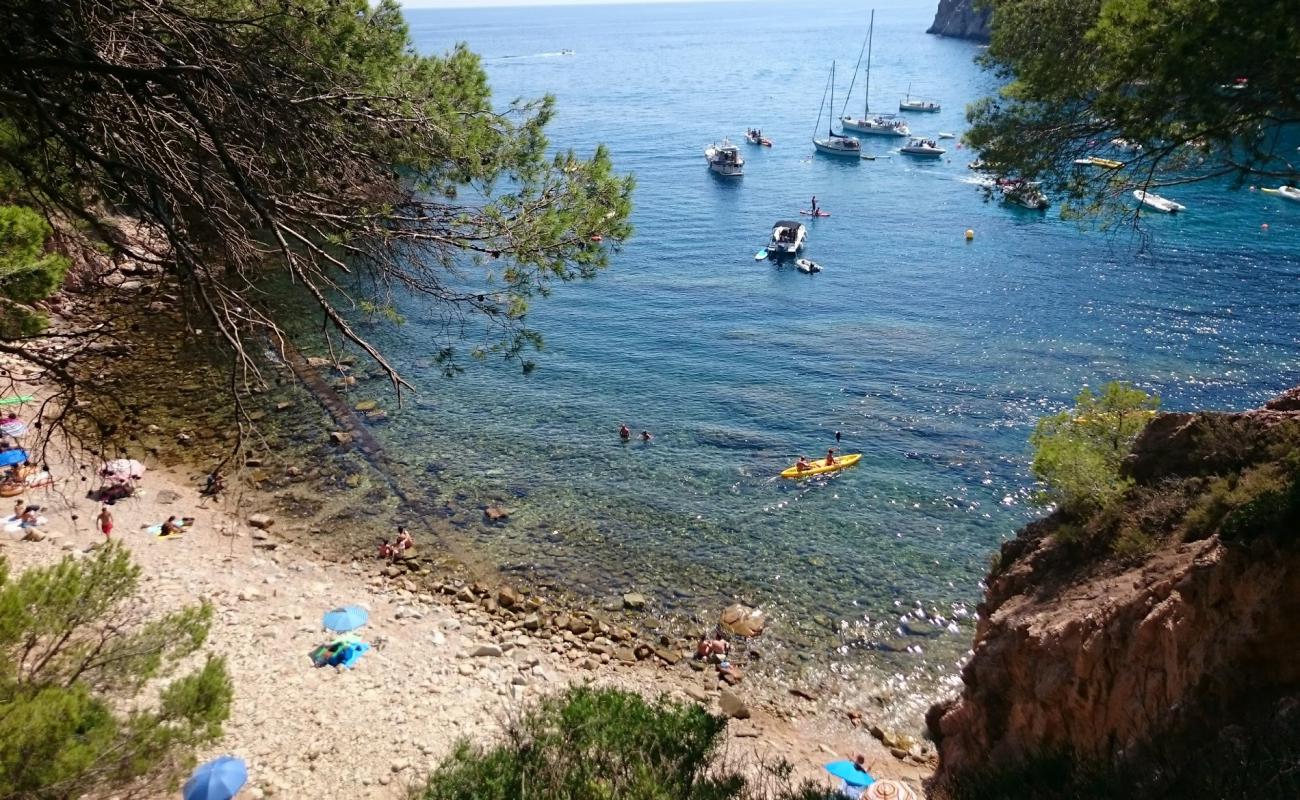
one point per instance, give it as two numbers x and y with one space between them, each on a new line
477 644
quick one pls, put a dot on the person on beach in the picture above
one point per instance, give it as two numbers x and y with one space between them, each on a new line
19 505
624 432
645 436
404 540
713 646
171 526
802 464
105 522
29 518
830 457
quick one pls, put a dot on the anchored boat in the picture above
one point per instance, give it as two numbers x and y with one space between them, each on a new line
836 144
1157 203
868 123
922 147
724 159
788 239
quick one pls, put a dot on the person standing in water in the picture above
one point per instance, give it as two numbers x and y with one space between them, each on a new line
837 437
645 436
624 432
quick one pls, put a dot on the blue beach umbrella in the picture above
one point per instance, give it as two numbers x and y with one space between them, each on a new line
219 779
345 619
850 773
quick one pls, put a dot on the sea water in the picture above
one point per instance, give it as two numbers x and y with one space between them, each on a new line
931 355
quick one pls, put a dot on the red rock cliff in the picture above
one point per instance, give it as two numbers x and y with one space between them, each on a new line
1081 651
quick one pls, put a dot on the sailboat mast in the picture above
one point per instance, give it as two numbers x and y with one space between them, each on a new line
866 89
830 121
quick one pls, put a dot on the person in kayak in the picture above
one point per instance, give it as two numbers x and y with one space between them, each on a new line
624 432
802 464
830 457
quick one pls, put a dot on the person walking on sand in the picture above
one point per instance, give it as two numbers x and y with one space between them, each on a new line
105 522
624 432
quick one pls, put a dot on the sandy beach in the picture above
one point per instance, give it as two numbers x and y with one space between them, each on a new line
443 666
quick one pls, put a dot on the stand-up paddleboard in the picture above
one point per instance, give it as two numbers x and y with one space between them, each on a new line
817 213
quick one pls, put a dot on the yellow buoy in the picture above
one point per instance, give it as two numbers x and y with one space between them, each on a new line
970 234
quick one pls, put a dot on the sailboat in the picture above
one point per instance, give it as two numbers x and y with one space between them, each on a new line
868 123
908 104
836 144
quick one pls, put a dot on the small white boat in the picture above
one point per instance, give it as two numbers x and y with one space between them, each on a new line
1158 203
1025 194
908 104
922 147
788 239
1285 192
755 136
945 135
724 159
806 266
1126 146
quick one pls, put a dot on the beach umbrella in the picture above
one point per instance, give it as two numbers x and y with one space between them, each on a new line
889 790
850 773
122 469
219 779
10 457
345 618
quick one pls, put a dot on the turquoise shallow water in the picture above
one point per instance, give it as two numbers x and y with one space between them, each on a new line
932 355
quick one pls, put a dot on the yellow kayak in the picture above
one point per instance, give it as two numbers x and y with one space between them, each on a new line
819 466
1108 163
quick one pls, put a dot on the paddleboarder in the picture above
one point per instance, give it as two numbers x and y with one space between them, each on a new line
814 205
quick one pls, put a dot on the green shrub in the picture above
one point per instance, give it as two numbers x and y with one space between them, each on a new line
603 744
1077 453
75 649
27 272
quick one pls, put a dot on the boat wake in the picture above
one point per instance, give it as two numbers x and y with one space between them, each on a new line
553 54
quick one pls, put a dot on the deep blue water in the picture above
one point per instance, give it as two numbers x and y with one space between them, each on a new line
932 355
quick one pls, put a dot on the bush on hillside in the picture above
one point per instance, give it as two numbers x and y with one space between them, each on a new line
27 272
76 657
600 744
1077 453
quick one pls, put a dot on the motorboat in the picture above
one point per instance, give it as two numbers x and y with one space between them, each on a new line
836 144
788 239
1098 161
946 135
1286 193
806 266
909 104
1025 194
755 136
1157 203
1124 145
922 147
868 123
724 159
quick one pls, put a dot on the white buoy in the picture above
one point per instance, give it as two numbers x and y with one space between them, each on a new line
970 234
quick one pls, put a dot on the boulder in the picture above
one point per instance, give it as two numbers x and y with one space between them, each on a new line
741 620
733 706
508 597
634 601
261 521
366 405
340 437
696 693
486 651
495 513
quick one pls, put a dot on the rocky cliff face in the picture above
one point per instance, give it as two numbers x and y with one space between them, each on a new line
961 19
1084 652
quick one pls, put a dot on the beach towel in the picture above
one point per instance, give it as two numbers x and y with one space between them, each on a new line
14 524
339 653
155 530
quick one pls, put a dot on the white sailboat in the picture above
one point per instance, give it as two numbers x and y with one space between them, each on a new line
836 144
908 104
868 123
